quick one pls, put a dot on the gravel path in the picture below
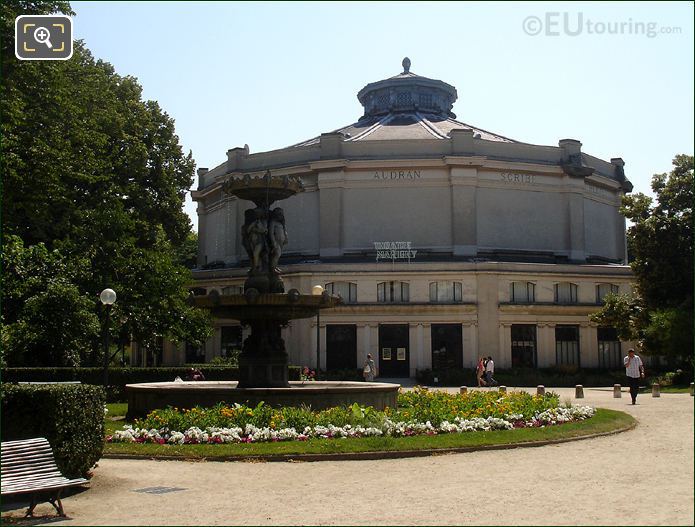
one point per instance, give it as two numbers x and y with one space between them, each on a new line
640 477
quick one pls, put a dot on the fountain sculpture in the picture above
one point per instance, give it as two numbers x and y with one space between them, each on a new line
266 309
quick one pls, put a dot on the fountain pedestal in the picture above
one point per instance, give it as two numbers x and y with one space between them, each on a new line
263 361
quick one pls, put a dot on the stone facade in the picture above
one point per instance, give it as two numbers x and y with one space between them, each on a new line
520 241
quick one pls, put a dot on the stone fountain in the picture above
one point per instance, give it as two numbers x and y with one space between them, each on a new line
265 308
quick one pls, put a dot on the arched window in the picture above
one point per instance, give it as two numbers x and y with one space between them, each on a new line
345 290
603 289
522 292
446 292
393 292
565 293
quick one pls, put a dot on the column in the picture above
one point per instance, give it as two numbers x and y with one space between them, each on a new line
470 344
213 344
426 346
420 348
363 337
504 360
545 344
322 336
312 353
588 345
413 344
463 211
374 341
575 200
330 213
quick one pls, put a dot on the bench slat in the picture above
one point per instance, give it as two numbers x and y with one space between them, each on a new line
26 459
30 473
39 483
49 486
28 452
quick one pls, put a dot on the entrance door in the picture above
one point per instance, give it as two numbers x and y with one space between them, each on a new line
394 350
341 347
447 347
523 346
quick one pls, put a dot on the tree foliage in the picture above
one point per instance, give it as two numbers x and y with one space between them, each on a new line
92 171
660 314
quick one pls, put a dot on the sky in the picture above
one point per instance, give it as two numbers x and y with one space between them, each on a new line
616 76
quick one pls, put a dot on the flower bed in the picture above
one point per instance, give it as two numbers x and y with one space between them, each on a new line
419 412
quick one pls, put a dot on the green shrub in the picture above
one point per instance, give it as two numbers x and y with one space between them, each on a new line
71 417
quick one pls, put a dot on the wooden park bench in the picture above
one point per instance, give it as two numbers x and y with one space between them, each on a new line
28 467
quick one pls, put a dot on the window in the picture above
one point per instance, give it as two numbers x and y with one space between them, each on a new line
609 349
345 290
567 345
425 100
446 292
565 293
233 290
522 292
602 290
231 341
393 292
523 345
403 99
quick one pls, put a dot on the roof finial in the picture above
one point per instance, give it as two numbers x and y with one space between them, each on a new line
406 65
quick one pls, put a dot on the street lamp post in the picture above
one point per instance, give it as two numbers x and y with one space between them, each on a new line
107 297
317 290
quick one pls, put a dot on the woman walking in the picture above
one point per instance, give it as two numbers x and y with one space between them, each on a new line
479 370
369 370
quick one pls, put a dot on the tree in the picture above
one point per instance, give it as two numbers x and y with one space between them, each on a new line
46 319
660 314
96 173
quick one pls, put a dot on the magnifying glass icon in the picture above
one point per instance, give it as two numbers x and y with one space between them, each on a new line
42 36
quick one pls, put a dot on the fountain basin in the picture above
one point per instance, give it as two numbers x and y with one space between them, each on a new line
266 306
145 397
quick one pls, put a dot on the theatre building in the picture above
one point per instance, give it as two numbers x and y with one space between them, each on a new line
445 241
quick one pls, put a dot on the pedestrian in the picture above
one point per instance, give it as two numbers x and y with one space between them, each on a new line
489 370
194 374
479 371
369 370
634 369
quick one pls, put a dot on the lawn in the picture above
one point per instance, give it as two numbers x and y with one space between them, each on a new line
604 421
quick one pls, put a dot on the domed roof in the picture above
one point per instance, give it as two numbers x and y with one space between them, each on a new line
407 106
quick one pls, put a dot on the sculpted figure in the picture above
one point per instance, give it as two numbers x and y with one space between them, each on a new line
277 235
253 236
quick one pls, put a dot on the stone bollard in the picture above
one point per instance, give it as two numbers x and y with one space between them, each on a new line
579 392
503 389
463 390
692 388
616 391
540 390
656 390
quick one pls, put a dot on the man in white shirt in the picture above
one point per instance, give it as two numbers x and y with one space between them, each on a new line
489 370
634 369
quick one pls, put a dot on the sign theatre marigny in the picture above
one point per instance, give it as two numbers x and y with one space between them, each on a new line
394 251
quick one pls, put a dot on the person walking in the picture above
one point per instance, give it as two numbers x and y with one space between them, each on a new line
479 371
489 370
634 369
369 370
